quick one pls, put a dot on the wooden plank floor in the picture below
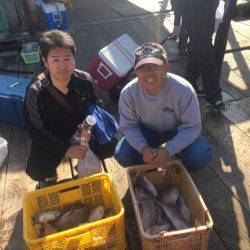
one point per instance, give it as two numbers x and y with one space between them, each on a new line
224 185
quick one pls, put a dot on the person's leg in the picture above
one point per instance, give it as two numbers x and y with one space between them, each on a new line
202 43
104 151
183 39
126 155
197 155
192 71
42 165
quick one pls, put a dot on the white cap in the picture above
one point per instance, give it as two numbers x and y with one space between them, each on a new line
91 120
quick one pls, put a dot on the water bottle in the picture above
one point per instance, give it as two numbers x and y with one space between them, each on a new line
3 151
86 125
90 164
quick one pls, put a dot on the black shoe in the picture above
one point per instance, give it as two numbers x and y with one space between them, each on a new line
218 105
200 92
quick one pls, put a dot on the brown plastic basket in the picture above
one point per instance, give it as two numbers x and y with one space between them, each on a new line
195 237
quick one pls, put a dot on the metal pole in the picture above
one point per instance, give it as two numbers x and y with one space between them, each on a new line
222 34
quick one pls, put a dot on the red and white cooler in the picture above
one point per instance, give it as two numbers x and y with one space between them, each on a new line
113 62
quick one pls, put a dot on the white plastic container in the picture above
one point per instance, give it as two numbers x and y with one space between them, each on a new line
113 62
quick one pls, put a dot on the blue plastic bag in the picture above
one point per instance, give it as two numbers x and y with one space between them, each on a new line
106 126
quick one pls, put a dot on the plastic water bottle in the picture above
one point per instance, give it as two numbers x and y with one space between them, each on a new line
90 164
3 150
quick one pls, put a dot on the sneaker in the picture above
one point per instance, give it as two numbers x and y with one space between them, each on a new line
218 105
200 92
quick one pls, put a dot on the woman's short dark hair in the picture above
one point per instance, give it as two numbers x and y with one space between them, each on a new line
56 39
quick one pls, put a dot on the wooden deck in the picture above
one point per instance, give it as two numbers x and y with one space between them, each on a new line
224 185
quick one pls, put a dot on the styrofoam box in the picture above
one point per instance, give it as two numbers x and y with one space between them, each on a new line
113 62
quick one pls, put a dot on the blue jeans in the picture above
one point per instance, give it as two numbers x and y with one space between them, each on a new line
195 157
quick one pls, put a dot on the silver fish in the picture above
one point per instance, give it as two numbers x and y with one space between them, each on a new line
72 218
96 214
150 213
182 207
49 229
39 229
141 194
147 184
170 195
46 216
173 215
160 228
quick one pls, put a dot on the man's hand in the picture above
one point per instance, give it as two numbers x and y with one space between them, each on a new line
162 156
148 154
76 152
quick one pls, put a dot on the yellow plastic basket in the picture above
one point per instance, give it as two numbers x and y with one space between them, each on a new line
108 233
194 238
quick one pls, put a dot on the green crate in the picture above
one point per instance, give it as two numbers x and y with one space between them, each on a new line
30 53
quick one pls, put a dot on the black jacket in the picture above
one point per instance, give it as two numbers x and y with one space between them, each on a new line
49 124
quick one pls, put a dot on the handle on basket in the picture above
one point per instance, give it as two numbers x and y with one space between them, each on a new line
156 167
108 72
175 242
68 189
82 239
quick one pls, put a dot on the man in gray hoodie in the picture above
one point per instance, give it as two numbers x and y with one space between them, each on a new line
160 115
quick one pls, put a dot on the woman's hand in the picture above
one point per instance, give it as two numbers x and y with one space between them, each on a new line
85 137
81 138
76 151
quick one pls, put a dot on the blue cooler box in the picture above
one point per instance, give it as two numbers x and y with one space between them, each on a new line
55 15
12 93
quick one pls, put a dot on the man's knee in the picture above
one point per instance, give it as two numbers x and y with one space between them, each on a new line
200 160
125 155
120 153
121 160
198 155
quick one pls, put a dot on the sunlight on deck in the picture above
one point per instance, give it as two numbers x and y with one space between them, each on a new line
150 5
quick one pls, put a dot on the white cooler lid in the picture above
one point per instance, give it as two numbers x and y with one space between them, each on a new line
119 55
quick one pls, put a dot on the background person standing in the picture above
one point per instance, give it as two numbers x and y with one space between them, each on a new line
199 18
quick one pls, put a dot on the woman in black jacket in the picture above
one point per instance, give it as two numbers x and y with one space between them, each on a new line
55 104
